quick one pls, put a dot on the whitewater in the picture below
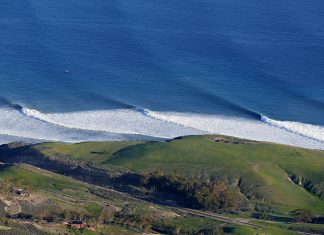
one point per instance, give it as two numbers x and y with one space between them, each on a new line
142 124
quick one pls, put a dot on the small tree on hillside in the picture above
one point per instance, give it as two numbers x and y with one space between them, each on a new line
302 215
214 230
175 230
107 215
67 214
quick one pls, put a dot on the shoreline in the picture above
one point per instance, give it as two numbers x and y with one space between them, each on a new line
131 124
213 137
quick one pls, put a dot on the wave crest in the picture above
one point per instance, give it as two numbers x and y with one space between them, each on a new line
304 129
124 121
88 125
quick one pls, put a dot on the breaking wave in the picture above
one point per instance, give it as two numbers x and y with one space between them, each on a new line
304 129
124 121
124 124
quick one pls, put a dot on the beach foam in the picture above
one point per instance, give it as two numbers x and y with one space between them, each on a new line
122 124
18 125
307 130
124 121
292 133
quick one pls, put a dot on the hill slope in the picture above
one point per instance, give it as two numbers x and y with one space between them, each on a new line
266 179
290 177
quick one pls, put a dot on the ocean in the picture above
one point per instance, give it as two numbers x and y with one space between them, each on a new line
78 70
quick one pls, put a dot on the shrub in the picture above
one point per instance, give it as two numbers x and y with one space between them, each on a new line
195 192
302 215
215 230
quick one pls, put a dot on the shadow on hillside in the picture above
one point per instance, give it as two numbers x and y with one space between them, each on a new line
112 179
275 218
4 166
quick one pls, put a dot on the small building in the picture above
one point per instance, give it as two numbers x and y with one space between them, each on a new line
79 224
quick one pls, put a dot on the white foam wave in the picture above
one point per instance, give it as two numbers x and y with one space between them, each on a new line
28 124
285 132
114 124
213 124
307 130
125 121
35 114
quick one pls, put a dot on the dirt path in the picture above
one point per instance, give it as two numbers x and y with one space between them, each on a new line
219 217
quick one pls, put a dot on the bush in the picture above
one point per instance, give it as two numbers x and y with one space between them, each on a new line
261 216
266 208
302 215
196 193
175 230
215 230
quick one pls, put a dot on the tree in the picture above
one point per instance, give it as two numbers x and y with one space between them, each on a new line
107 215
214 230
263 216
218 230
177 229
67 214
42 214
231 200
82 215
302 215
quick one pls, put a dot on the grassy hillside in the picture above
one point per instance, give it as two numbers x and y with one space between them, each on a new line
268 167
94 152
259 167
63 197
48 193
115 174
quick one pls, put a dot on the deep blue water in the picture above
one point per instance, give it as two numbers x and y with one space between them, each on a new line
234 58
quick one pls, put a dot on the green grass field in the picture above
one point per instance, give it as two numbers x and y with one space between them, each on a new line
39 180
95 152
268 166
